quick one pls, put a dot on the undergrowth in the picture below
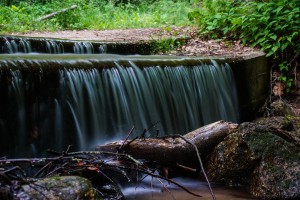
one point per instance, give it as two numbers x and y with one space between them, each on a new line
272 25
21 16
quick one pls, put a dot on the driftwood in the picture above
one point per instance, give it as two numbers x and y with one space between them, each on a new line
56 13
174 150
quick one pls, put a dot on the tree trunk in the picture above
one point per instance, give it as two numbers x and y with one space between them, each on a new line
170 151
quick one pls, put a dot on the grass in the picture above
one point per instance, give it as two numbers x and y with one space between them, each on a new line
94 15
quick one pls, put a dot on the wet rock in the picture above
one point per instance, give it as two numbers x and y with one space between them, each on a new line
59 187
264 156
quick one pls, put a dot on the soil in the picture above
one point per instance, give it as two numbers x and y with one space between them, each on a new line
193 47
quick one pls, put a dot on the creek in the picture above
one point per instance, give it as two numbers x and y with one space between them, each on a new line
52 101
152 189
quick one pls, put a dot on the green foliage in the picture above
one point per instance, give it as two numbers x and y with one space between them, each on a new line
274 26
165 45
21 16
16 2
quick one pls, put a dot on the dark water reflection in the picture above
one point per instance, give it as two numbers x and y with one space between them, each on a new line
154 190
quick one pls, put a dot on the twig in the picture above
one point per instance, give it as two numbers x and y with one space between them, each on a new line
131 130
42 169
200 162
186 168
142 136
131 141
162 177
68 149
56 169
201 165
166 188
145 130
10 170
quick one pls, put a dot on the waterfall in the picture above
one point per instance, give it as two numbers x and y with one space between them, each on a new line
103 48
19 46
83 48
53 47
83 106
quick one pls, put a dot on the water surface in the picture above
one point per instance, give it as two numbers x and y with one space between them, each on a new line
153 189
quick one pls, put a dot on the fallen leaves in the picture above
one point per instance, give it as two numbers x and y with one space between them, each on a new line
278 89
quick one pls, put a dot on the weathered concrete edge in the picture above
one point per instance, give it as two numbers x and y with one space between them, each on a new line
142 47
252 76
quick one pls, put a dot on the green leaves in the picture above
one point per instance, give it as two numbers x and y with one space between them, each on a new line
274 26
283 66
20 16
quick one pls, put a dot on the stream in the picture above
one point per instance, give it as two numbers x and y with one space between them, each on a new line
153 189
52 101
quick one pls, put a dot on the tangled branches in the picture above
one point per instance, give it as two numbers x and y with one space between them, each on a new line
100 167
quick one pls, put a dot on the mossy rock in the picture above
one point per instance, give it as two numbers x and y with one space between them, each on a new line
232 161
264 156
59 188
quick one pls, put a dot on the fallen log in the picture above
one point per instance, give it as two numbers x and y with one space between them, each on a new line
56 13
173 150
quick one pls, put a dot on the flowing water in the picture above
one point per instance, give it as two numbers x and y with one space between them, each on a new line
16 46
53 47
153 189
54 103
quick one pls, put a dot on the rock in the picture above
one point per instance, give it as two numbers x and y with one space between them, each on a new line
264 156
282 108
59 187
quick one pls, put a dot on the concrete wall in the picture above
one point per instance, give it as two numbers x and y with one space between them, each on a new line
252 76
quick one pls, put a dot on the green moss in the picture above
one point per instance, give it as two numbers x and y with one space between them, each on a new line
261 143
268 145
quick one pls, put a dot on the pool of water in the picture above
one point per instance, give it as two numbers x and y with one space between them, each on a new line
154 189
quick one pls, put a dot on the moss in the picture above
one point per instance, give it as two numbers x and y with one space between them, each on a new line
261 143
266 145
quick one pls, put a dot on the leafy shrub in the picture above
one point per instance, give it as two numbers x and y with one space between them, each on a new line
271 25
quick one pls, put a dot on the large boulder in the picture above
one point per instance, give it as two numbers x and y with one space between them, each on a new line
264 156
